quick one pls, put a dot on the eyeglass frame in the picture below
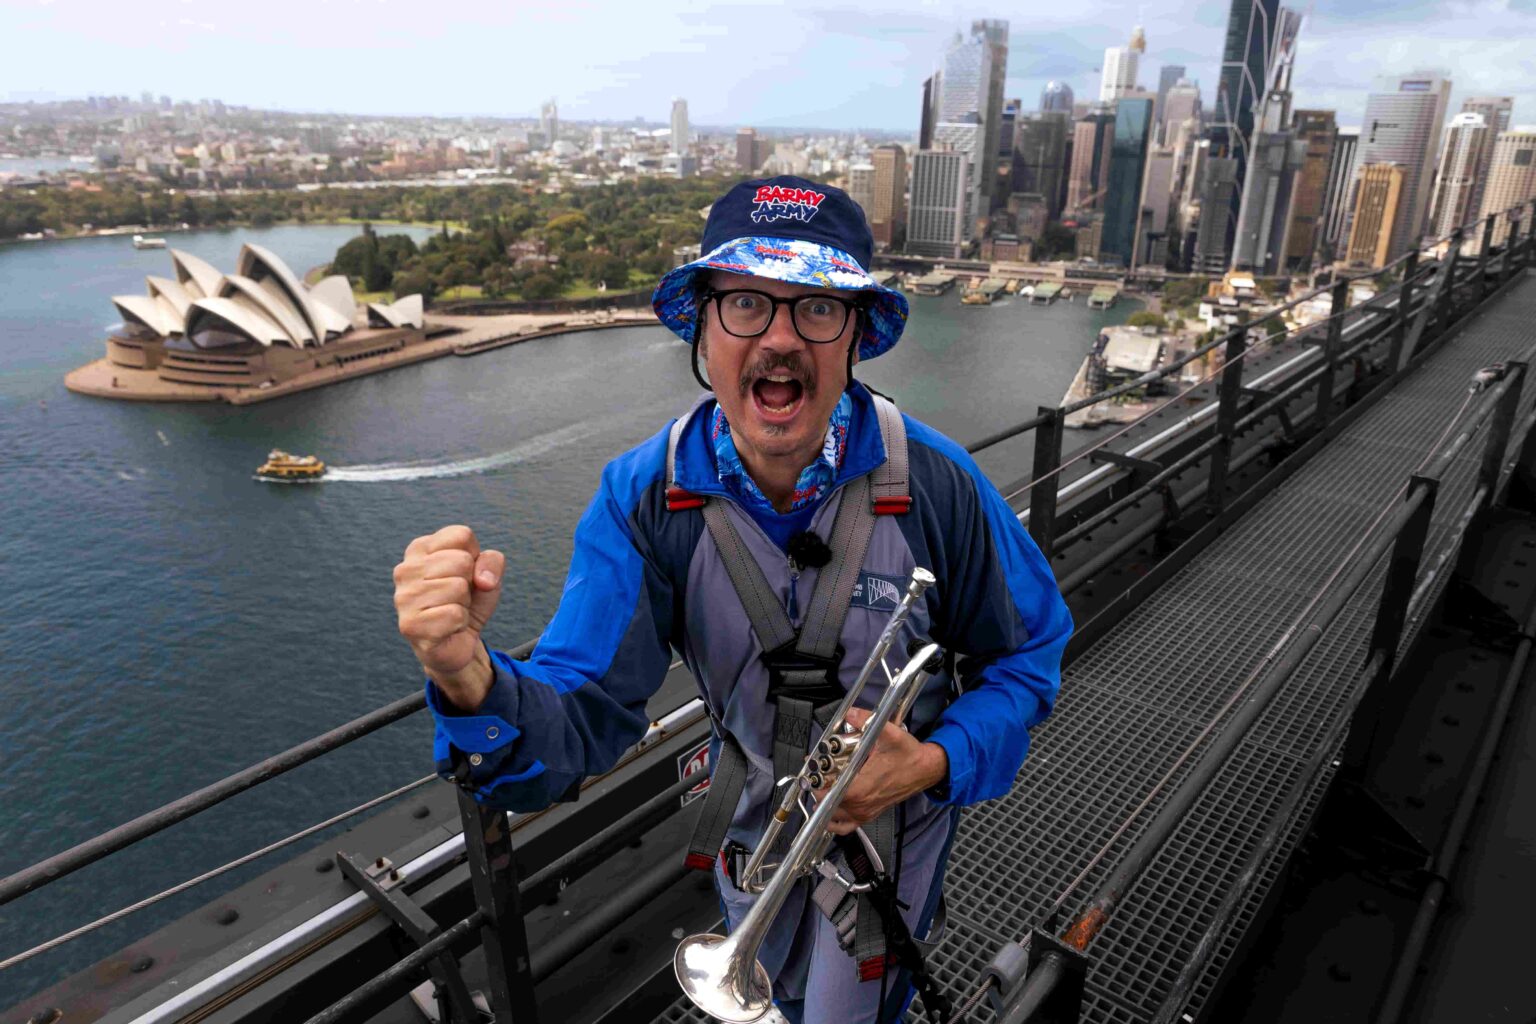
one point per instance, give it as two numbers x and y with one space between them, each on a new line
850 307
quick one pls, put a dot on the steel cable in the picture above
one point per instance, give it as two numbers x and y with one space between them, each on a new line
117 915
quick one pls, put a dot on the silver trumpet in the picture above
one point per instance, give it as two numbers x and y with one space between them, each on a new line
720 973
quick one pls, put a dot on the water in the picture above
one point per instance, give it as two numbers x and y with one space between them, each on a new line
28 166
168 619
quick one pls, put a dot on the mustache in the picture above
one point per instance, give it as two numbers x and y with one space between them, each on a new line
789 363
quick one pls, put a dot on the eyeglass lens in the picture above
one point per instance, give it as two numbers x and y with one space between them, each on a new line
818 318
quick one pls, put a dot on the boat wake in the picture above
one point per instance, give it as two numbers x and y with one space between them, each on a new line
389 472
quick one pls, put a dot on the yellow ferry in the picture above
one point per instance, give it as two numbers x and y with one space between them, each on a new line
282 466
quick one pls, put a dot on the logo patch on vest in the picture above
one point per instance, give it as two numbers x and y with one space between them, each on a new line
878 593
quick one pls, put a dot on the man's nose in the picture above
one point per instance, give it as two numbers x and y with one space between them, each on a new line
781 335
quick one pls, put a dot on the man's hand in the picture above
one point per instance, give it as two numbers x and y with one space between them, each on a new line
445 591
898 767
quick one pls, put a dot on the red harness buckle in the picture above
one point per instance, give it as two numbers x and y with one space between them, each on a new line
679 500
699 862
873 968
896 506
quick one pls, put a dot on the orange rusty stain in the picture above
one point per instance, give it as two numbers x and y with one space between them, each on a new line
1085 928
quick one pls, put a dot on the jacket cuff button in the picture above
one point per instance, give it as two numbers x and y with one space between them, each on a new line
492 733
475 759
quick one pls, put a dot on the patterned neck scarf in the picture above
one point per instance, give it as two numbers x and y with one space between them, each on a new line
814 480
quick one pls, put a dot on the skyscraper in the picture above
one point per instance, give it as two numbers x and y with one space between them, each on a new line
1122 200
970 109
1250 37
1155 207
1315 131
1012 111
1379 203
932 86
1121 67
889 218
549 122
936 219
679 126
861 188
1497 112
1040 159
1273 159
1167 78
746 150
1181 103
1339 196
1056 97
1403 120
1092 140
1467 141
1511 180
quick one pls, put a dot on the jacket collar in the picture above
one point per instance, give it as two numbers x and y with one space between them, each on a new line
696 470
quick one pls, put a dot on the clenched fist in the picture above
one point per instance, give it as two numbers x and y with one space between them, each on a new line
445 591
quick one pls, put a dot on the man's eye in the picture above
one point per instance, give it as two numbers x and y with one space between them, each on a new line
746 302
819 308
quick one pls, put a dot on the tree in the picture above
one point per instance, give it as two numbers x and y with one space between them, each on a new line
1146 318
541 285
413 282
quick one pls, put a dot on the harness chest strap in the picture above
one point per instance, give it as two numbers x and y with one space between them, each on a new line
886 491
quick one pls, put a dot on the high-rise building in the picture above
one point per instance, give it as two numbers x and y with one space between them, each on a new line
1012 111
1156 207
1274 158
1379 202
1511 180
1251 32
1339 196
1403 121
1122 199
936 218
1056 97
746 150
1315 131
549 122
679 126
1040 159
1088 177
861 188
889 218
970 109
1181 103
1467 141
1497 112
1167 78
932 86
1121 66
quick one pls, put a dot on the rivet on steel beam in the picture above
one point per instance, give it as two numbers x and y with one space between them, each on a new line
47 1015
325 865
142 964
421 812
229 915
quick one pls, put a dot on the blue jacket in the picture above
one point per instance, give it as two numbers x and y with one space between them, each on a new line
644 581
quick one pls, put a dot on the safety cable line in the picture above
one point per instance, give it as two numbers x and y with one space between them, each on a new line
1263 344
189 883
1241 692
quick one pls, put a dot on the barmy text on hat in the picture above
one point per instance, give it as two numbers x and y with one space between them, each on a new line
775 202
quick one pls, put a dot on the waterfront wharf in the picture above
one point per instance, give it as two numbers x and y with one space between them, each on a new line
1045 293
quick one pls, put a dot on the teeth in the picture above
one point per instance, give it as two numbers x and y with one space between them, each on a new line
779 378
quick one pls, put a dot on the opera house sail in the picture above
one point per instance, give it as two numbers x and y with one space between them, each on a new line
198 333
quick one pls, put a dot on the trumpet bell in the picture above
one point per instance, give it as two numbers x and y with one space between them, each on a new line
710 971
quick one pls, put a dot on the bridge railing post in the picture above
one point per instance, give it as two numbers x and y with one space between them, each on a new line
1498 434
1530 240
1042 493
503 936
1331 345
1404 311
1444 315
1391 614
1482 256
1226 413
1511 248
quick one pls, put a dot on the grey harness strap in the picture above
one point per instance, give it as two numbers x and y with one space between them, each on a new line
882 492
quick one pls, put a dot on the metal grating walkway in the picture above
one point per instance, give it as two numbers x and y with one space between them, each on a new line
1133 701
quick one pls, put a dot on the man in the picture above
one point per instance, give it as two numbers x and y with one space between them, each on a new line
712 538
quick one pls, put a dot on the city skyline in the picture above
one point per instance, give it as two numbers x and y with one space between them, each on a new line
818 67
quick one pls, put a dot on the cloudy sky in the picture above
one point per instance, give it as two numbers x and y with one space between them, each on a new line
822 63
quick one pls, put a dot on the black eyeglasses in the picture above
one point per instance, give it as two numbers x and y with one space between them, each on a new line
746 313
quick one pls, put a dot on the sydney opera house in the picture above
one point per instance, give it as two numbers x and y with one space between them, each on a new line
257 327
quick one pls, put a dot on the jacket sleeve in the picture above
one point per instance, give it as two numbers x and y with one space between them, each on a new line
1005 617
578 702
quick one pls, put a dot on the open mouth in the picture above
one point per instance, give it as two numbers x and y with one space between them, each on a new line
778 396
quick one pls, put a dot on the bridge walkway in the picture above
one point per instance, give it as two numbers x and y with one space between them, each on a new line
1139 696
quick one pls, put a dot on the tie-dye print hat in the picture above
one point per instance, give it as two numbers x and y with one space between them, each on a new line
787 229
